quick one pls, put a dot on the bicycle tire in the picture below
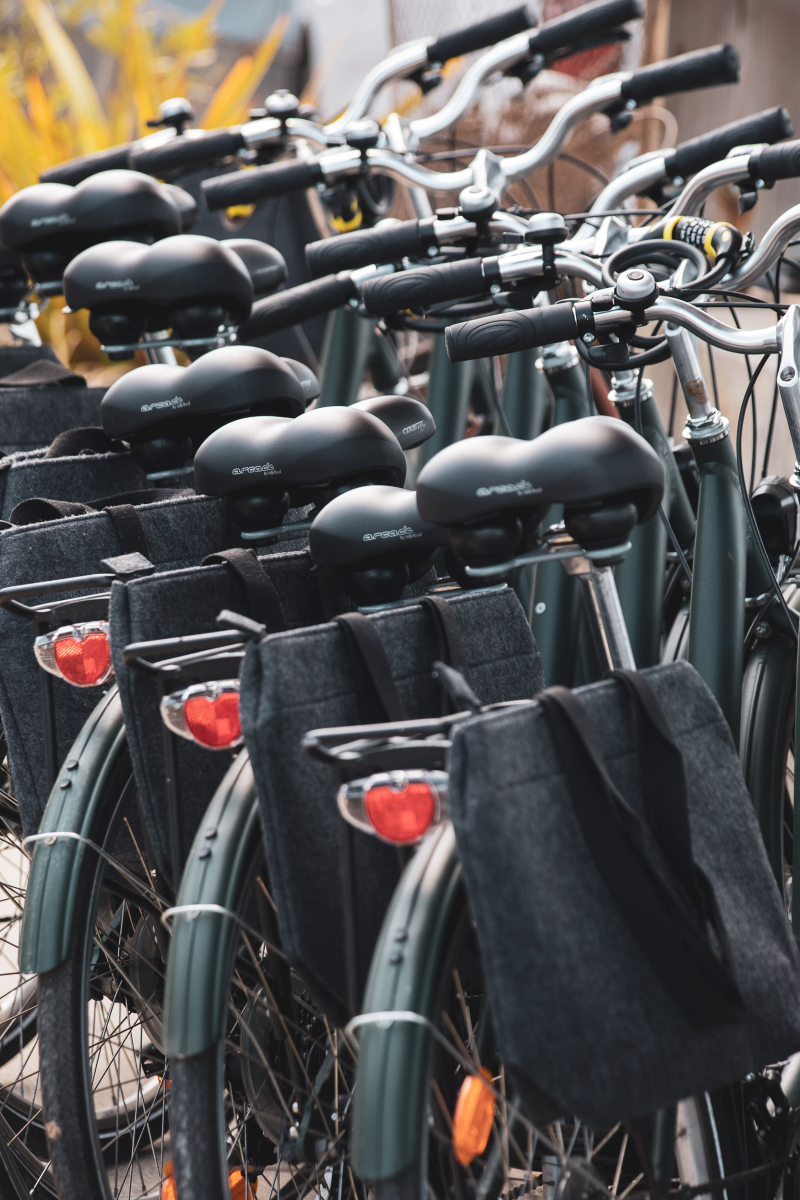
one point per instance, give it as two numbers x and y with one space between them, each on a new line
87 1143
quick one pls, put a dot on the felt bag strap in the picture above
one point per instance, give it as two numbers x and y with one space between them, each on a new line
668 918
262 595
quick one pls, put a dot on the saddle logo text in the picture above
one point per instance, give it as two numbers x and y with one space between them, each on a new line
58 219
120 285
262 469
413 428
523 488
405 534
175 402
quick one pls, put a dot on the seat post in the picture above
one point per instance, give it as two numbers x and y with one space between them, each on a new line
604 611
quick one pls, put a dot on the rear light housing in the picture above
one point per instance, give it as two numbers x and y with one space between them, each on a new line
206 714
79 653
399 807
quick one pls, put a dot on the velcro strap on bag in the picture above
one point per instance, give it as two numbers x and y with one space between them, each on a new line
129 530
451 649
669 922
262 596
376 693
37 509
90 439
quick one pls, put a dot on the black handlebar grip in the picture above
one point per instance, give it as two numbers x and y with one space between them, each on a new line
772 125
78 169
262 183
581 24
480 35
776 162
698 69
365 246
183 153
424 286
509 332
296 305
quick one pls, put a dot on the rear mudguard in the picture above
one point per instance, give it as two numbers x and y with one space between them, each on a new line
197 984
388 1096
57 861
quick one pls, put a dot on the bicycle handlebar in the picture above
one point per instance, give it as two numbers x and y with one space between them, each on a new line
262 183
424 286
296 305
194 148
772 125
387 243
480 35
685 73
581 24
565 321
78 169
776 162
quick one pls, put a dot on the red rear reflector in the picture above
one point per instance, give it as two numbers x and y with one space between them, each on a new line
212 722
205 713
400 814
79 653
83 662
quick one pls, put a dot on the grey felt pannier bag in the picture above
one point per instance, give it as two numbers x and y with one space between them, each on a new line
635 947
304 679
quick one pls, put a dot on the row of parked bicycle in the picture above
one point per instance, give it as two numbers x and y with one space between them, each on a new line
345 849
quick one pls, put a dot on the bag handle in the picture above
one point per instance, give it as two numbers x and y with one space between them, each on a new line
262 595
669 924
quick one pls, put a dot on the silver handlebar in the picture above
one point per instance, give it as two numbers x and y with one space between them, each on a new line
498 58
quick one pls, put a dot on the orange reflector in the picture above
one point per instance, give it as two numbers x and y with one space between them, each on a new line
400 814
213 722
239 1186
472 1123
83 661
168 1188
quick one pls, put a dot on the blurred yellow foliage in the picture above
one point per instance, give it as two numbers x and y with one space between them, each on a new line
52 110
50 107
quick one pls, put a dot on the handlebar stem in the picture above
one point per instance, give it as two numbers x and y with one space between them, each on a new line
687 365
396 138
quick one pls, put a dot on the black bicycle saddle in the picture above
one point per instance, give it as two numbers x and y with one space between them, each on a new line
262 465
490 492
266 265
189 284
49 223
409 420
187 205
165 412
375 537
14 283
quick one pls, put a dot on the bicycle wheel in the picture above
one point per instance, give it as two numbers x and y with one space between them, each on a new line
475 1140
271 1099
103 1068
23 1145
